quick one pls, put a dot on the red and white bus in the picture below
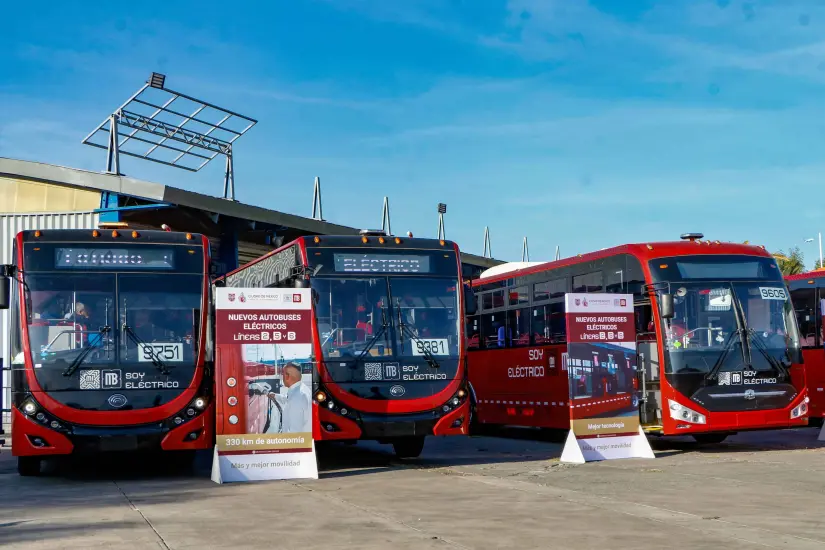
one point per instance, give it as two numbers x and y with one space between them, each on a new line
808 297
388 360
716 336
108 343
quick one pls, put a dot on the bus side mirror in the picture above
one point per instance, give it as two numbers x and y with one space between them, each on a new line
470 306
666 306
5 292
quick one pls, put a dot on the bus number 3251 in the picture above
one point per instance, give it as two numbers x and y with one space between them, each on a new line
436 346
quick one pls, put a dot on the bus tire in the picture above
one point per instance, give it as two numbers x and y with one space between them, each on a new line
710 439
408 447
28 466
180 462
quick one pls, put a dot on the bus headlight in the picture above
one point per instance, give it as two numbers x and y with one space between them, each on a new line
320 397
29 408
685 414
800 410
199 403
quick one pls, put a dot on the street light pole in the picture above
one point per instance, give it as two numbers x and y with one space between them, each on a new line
820 251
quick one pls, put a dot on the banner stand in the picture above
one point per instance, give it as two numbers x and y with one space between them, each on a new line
821 434
263 341
579 451
216 467
572 452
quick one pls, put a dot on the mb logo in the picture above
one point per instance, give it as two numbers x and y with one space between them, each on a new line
392 371
112 379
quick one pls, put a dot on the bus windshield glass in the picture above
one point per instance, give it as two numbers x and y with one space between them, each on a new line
724 323
112 318
367 318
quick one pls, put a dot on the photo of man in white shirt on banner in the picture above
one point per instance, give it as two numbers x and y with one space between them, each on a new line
296 404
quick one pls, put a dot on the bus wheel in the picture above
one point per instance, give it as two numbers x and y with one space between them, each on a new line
183 461
28 466
408 447
710 438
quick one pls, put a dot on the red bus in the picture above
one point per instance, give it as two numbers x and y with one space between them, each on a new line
388 360
108 343
717 342
808 296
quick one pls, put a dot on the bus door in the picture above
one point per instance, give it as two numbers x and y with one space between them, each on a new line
647 375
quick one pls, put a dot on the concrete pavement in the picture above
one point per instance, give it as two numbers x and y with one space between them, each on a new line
760 490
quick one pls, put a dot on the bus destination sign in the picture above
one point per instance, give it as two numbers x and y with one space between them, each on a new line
381 263
114 258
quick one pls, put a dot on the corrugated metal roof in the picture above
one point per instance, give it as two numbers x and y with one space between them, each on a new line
10 226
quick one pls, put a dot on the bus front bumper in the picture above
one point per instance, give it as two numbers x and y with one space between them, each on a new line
379 427
30 438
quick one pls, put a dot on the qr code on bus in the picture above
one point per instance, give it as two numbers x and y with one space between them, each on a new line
372 371
90 380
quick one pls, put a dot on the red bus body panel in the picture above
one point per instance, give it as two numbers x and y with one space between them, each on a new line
814 356
345 428
544 402
24 427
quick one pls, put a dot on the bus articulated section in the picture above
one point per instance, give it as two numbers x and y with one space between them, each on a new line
716 337
108 343
387 355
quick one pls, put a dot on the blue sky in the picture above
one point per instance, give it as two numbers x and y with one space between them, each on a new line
582 124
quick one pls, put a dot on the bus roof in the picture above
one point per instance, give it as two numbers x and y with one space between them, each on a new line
643 251
815 274
124 236
372 243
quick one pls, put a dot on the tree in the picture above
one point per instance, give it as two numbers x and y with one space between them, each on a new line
817 265
791 263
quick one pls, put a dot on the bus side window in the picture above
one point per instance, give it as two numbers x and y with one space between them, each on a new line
493 329
805 306
473 332
518 326
645 328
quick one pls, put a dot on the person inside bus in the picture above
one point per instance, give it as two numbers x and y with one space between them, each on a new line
362 325
297 403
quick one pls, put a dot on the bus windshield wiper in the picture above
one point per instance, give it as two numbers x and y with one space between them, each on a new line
84 353
156 360
382 330
428 355
763 349
725 350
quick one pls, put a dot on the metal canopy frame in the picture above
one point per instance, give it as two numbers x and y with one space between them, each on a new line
188 141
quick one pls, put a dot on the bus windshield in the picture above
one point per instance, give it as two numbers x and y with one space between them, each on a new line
386 317
723 327
81 319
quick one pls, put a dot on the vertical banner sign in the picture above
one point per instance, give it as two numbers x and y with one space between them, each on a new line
601 371
263 368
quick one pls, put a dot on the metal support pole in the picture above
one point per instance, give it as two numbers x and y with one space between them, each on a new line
820 251
558 253
113 149
317 211
441 233
488 252
385 217
525 252
229 178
